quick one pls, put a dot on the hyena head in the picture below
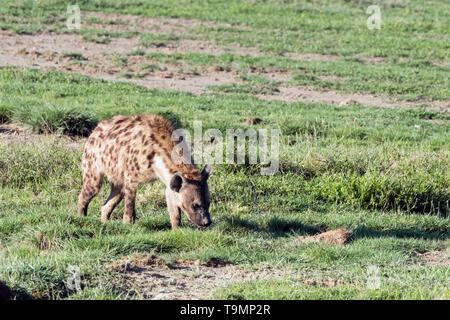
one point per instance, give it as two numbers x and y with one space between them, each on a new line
192 196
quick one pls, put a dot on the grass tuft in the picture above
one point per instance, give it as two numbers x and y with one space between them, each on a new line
55 119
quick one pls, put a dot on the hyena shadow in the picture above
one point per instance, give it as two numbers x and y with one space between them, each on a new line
275 226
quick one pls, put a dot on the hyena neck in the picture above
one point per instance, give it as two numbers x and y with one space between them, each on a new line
161 170
165 168
164 165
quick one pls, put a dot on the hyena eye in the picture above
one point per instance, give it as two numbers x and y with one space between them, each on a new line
195 207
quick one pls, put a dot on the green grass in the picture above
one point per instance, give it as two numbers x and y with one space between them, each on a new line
383 173
367 169
50 118
412 39
104 36
154 40
416 29
388 159
399 79
399 283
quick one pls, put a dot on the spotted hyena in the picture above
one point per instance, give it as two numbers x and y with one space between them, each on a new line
131 150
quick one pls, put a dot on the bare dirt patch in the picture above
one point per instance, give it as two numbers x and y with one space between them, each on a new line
368 59
308 94
179 26
271 73
325 282
339 236
435 258
312 56
193 84
114 21
11 129
200 46
441 64
330 57
11 133
69 52
148 277
12 43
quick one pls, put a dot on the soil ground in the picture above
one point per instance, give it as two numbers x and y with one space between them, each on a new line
72 53
269 235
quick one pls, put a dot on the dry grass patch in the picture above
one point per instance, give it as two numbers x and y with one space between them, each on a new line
339 237
435 258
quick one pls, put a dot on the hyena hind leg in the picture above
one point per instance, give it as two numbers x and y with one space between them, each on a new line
114 199
91 187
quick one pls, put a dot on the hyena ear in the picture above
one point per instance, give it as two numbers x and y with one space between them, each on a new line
207 170
176 183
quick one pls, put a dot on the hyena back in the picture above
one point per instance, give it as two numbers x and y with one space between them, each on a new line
131 150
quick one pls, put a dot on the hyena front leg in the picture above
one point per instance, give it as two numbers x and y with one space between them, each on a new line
174 211
92 182
114 199
129 214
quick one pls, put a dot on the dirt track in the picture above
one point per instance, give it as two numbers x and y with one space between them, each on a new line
70 52
147 277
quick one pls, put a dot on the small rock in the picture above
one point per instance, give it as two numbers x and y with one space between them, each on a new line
253 120
348 102
215 69
160 296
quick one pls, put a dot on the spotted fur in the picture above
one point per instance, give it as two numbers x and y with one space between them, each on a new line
131 150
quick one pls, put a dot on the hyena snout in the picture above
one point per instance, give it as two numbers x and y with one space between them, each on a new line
204 220
201 219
